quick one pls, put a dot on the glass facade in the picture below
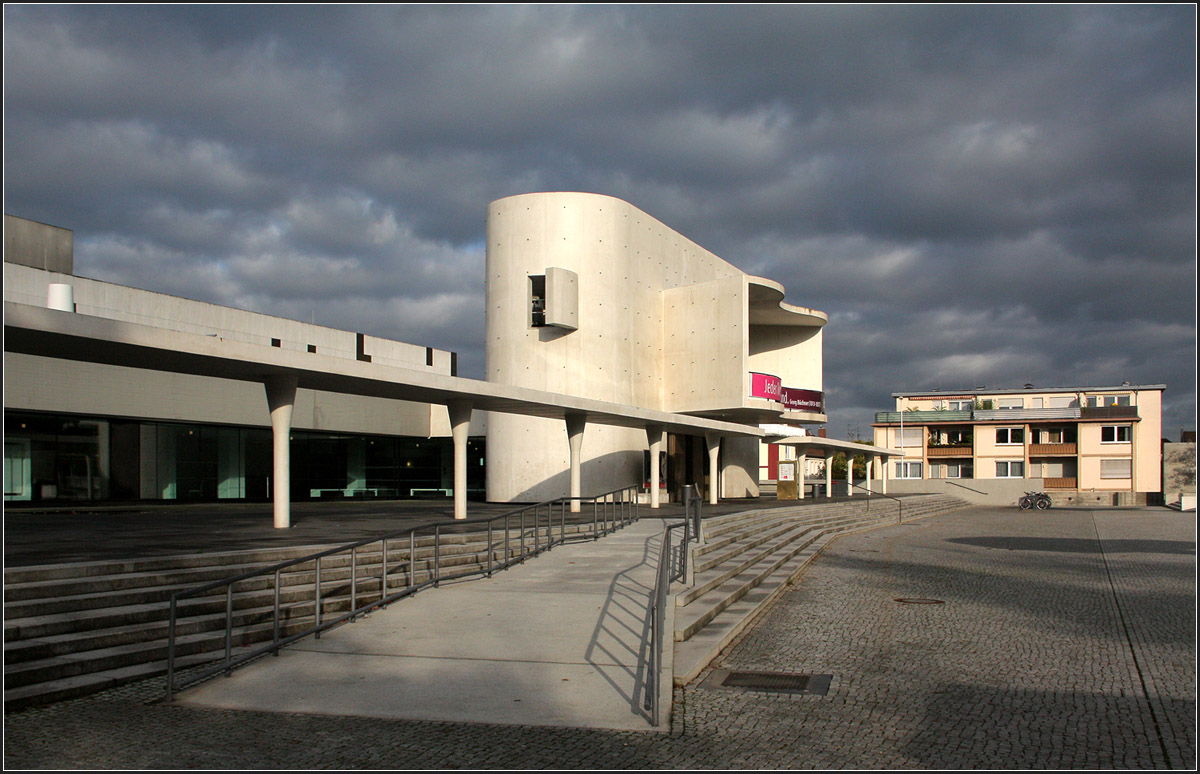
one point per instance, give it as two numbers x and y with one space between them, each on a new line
55 457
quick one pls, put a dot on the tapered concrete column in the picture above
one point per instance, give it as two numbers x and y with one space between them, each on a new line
829 474
654 437
575 426
713 442
801 465
883 474
281 399
868 465
849 475
460 425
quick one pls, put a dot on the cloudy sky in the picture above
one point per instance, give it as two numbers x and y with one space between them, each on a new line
976 195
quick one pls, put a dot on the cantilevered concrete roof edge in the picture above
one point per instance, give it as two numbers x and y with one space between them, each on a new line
36 330
816 442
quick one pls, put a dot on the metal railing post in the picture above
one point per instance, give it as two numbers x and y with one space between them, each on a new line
275 622
171 650
383 571
489 550
353 581
228 626
317 599
437 555
412 560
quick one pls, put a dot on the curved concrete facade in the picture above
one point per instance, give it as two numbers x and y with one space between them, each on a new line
589 296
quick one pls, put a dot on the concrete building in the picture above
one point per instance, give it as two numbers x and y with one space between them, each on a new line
600 320
589 296
1081 444
95 431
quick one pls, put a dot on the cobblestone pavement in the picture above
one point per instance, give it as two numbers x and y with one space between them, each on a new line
1062 639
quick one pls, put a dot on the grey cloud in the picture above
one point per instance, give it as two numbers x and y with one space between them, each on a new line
1000 192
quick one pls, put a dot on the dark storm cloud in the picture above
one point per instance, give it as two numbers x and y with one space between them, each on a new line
975 194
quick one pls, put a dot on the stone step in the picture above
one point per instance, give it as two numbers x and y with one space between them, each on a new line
725 597
64 688
86 599
725 586
73 629
742 557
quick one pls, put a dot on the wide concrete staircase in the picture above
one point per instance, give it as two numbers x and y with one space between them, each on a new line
73 629
748 558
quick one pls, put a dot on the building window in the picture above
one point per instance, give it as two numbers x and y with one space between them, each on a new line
1010 469
1010 436
1100 401
537 300
1055 435
1116 434
960 405
1116 469
1010 403
908 470
911 437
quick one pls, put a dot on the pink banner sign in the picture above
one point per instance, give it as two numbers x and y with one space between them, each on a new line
771 388
765 386
803 400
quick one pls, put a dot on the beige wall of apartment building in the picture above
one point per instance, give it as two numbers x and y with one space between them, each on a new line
1084 439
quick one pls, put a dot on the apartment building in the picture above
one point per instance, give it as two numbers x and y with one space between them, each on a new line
1073 440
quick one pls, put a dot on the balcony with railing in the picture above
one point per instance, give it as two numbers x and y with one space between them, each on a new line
1026 415
1065 482
921 417
1109 412
951 450
1052 449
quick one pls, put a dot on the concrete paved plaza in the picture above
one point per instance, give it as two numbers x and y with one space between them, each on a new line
1060 639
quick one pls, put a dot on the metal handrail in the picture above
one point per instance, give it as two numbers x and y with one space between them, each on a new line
662 584
899 514
961 486
610 511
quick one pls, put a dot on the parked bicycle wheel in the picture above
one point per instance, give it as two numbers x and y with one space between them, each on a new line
1043 502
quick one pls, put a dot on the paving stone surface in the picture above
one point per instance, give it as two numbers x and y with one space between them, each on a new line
1061 639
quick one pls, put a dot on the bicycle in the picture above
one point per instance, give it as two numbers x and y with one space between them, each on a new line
1039 500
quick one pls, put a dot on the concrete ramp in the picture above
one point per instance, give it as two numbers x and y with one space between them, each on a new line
558 641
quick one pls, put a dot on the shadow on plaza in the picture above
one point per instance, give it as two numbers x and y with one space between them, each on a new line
1070 593
1013 727
1079 545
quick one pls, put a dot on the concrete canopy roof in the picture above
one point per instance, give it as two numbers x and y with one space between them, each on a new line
805 442
767 307
45 332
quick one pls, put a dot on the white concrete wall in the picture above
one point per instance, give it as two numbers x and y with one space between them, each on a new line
33 383
624 260
792 353
27 285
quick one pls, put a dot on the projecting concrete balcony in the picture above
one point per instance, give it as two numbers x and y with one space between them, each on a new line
1022 415
1109 412
1061 483
921 417
960 450
1052 449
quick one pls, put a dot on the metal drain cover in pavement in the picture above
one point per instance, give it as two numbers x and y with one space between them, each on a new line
770 682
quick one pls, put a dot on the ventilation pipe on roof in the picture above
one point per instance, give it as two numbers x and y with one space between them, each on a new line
60 296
